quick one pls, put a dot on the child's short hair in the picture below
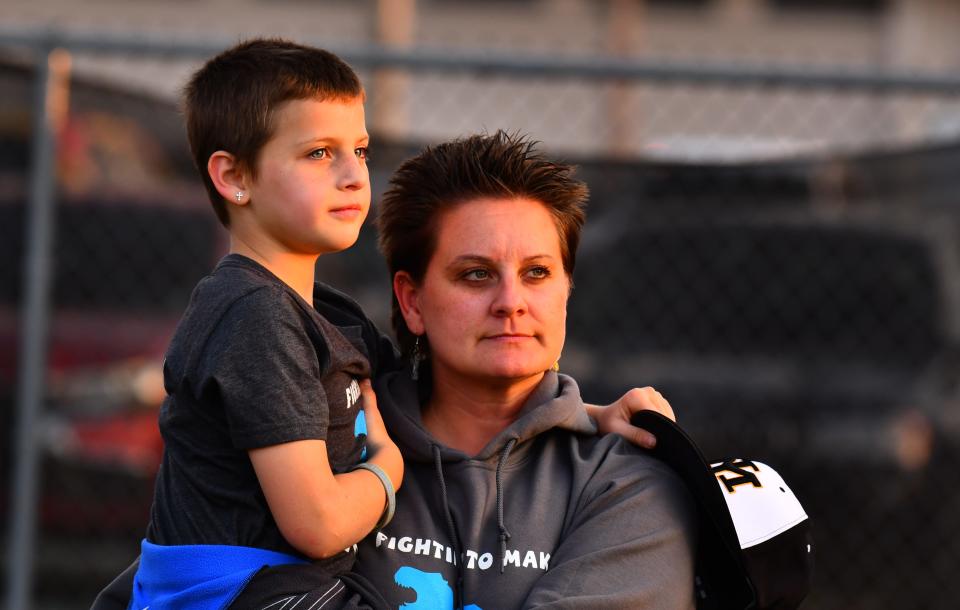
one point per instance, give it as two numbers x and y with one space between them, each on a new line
230 102
501 166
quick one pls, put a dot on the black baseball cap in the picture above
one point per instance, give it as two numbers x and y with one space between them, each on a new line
755 551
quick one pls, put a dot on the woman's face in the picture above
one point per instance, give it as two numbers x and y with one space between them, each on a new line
493 300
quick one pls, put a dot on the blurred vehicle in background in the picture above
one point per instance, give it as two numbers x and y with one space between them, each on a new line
745 286
133 234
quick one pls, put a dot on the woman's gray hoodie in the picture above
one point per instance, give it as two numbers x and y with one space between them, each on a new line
546 515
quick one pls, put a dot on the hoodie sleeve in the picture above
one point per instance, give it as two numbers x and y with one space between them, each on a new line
630 544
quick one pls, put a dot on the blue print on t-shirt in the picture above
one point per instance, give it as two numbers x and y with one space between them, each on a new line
433 592
360 427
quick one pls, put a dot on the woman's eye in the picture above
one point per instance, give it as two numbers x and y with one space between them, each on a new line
539 273
320 153
363 152
476 275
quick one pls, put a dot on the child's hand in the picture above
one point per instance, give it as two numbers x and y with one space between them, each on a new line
615 417
382 450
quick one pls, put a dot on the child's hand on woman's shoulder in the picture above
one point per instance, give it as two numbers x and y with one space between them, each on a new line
615 417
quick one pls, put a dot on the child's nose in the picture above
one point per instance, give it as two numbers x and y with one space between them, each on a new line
353 174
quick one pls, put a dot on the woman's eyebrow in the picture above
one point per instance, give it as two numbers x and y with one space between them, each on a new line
486 260
470 259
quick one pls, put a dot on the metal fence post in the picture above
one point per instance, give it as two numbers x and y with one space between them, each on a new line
52 74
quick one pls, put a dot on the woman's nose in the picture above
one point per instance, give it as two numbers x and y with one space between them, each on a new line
508 299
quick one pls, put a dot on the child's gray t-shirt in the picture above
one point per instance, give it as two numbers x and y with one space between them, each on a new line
251 365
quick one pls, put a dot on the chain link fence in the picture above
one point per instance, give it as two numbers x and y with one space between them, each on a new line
775 250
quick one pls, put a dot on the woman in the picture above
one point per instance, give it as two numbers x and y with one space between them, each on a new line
509 499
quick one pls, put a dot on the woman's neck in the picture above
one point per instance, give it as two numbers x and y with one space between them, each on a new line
468 414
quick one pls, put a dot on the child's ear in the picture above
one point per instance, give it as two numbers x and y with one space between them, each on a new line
407 295
228 177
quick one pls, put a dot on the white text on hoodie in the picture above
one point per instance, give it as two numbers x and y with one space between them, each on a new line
472 559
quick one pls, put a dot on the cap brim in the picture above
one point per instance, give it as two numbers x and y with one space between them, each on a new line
721 573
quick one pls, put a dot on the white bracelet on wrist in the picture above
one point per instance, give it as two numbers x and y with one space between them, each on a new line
387 487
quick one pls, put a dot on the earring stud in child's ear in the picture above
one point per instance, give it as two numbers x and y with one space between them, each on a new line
239 196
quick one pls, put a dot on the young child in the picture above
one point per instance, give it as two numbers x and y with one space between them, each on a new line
274 456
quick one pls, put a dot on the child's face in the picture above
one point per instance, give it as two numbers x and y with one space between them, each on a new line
312 190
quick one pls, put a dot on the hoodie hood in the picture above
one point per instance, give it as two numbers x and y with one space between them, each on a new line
554 403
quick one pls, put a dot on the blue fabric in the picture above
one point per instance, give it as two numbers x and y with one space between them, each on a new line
206 576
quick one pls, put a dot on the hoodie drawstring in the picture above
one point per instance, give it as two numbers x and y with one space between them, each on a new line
504 534
451 529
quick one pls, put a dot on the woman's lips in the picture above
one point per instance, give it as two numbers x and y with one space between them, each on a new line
509 338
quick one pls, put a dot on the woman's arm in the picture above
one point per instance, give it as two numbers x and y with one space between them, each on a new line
615 417
631 544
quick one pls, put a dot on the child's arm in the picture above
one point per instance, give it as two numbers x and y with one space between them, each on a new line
320 513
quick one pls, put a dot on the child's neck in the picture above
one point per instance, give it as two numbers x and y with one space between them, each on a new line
295 270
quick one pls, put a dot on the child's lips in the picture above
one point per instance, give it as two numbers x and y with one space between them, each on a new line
347 212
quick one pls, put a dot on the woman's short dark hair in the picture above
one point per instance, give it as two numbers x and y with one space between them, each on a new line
441 177
231 101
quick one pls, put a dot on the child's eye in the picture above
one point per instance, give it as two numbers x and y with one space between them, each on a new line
320 153
362 152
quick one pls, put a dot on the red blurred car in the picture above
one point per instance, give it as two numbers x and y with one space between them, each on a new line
133 234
